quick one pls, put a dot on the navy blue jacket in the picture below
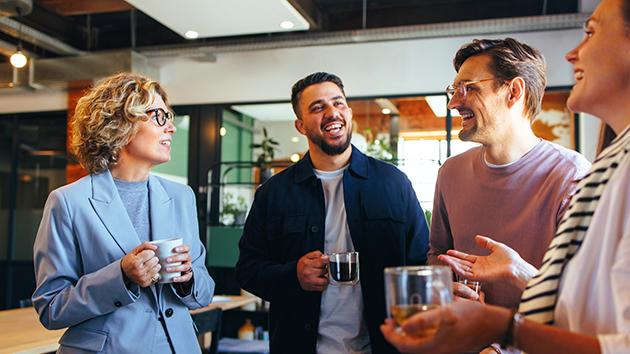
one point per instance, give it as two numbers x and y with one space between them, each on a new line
286 221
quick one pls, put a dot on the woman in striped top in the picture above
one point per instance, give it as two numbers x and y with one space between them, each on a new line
579 301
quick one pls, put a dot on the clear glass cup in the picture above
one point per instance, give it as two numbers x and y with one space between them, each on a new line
413 289
343 268
472 284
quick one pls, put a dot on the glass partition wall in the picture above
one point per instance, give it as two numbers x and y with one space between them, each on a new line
32 163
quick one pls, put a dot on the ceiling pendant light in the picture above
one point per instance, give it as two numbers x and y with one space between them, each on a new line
18 59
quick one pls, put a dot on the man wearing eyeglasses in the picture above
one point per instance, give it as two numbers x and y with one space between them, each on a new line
513 188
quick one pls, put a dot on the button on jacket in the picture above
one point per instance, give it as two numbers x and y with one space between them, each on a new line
387 226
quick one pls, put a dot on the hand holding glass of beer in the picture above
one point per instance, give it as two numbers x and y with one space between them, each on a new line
417 288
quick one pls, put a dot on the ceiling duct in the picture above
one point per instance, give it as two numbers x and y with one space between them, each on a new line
37 38
15 7
56 72
452 29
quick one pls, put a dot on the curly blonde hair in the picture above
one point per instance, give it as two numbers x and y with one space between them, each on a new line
107 118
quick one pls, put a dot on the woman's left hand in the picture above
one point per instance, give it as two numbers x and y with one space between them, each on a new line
186 268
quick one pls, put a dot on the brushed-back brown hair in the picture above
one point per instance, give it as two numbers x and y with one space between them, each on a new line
510 59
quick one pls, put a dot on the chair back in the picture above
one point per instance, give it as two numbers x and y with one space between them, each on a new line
209 321
26 303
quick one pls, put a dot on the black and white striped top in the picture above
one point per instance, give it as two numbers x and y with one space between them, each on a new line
539 298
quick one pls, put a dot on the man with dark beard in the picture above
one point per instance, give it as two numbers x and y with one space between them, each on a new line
335 199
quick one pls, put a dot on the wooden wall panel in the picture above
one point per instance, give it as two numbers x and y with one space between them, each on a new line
76 89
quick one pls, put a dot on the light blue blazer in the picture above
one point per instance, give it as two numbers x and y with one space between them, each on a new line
84 233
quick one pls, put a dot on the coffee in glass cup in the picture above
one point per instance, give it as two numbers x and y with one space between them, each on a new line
343 268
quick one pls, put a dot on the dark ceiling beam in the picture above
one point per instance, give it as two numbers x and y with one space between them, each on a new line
310 11
82 7
56 25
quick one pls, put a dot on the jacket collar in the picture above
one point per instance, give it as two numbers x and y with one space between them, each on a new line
112 212
358 166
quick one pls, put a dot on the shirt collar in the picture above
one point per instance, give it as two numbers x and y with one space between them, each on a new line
358 165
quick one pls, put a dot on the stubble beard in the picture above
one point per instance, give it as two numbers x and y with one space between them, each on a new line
468 135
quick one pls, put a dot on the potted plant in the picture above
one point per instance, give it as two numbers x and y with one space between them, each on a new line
233 211
268 147
380 149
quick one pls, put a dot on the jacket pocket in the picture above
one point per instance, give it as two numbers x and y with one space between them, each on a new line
288 225
385 211
85 339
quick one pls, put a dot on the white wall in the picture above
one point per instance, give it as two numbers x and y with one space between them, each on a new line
19 100
373 69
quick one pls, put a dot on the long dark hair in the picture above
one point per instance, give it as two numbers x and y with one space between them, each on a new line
606 136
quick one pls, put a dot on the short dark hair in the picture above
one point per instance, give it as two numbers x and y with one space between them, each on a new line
316 78
510 59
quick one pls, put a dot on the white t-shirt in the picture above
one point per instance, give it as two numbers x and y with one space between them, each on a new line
342 326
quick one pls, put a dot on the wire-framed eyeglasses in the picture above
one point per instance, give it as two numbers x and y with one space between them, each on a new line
462 88
160 115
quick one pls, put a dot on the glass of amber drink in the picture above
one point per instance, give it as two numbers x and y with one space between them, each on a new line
413 289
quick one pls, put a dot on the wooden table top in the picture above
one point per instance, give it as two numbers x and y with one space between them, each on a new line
23 333
235 302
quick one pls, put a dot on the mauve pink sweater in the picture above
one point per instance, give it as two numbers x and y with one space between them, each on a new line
519 205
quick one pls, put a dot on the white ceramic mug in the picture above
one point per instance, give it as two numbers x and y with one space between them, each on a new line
165 250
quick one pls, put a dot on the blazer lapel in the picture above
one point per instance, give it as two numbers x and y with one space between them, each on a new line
162 216
162 211
110 209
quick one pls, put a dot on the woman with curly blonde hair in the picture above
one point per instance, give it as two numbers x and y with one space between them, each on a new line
96 269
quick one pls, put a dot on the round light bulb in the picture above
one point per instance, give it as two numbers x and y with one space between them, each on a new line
295 157
386 111
222 131
18 59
